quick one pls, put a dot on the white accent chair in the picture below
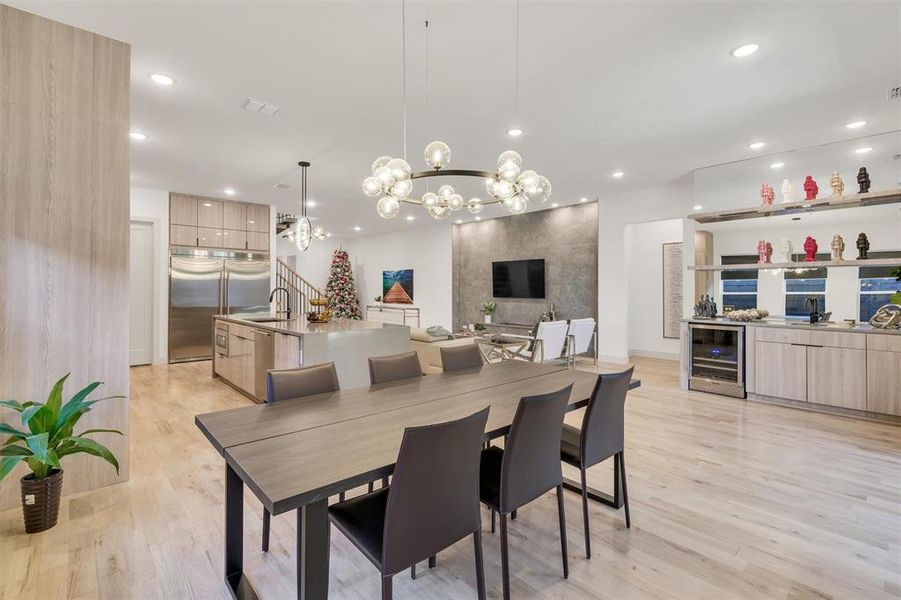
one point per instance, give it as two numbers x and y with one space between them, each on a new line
579 338
550 342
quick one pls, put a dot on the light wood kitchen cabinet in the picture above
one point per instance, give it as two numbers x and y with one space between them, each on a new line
182 209
234 216
182 235
781 370
257 240
233 239
209 238
257 216
836 376
884 373
241 360
209 213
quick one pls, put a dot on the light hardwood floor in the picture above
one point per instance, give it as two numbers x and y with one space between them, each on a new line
729 500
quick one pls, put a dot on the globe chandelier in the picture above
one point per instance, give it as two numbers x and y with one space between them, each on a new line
391 178
302 231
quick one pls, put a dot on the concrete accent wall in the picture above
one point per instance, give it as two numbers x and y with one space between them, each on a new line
566 238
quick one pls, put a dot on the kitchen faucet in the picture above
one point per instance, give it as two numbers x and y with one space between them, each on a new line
287 310
815 314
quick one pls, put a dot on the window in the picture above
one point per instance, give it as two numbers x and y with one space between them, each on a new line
876 286
738 287
801 284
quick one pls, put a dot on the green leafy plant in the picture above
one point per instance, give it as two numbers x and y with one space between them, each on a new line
896 298
488 307
48 433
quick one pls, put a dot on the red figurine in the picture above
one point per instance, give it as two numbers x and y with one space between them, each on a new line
761 252
810 249
769 252
811 188
767 194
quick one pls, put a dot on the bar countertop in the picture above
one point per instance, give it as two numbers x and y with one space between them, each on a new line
300 327
794 324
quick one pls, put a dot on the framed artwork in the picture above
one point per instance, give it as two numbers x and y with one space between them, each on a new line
672 289
397 286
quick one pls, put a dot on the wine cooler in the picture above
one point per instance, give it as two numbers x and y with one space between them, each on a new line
717 359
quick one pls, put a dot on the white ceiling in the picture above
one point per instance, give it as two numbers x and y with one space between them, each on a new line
646 87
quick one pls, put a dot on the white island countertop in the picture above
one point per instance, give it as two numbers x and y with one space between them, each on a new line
799 324
300 326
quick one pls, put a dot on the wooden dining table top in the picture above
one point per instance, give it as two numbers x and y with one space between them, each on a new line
295 452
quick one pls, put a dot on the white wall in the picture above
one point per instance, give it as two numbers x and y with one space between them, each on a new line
644 270
426 250
151 205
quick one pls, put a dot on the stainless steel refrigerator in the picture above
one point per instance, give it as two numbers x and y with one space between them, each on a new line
203 283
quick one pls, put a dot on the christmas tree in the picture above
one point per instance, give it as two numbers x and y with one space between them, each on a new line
340 290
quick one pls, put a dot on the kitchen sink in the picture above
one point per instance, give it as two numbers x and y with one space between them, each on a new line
265 319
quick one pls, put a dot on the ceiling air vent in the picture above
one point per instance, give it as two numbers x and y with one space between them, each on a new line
258 106
895 93
281 186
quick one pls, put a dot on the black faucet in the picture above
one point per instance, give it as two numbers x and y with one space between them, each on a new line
815 313
287 310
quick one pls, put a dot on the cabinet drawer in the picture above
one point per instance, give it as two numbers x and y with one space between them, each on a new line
782 335
888 342
832 339
837 377
241 331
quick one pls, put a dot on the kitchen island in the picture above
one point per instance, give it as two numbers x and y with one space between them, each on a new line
853 370
246 346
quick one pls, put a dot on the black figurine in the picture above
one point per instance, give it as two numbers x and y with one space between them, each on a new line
863 179
863 245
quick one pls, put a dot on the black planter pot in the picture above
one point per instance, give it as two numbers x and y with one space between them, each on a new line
40 501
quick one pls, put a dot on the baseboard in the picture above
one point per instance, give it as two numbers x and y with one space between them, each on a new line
651 354
610 358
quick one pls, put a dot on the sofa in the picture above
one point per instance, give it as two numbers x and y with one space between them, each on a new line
428 348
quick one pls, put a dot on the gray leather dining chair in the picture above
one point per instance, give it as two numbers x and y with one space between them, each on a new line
600 437
283 384
383 369
527 467
431 504
461 357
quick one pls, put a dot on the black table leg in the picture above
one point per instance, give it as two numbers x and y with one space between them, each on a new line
238 584
312 551
616 500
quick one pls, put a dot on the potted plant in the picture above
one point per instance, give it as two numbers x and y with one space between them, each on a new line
896 297
45 437
378 300
488 307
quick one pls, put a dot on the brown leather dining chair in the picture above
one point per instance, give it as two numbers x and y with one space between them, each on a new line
283 384
461 357
383 369
527 467
600 437
431 504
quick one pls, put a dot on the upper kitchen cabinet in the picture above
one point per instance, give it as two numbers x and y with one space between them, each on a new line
209 213
182 210
257 217
234 216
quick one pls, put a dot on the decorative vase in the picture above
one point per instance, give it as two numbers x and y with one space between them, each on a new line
40 501
488 318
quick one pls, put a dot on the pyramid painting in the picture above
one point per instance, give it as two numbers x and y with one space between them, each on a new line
397 286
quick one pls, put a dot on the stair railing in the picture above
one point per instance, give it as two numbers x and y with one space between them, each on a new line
299 289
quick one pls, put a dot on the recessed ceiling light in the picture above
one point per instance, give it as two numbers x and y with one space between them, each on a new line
777 165
617 174
478 218
228 191
697 207
162 79
311 203
746 50
409 217
208 204
554 205
137 135
756 145
515 132
855 124
863 150
583 199
459 221
358 228
329 234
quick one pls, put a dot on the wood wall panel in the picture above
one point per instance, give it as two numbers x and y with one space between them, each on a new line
64 209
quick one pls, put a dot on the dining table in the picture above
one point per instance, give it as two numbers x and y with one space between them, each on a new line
296 453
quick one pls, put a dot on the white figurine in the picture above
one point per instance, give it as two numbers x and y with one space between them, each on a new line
788 191
785 249
838 246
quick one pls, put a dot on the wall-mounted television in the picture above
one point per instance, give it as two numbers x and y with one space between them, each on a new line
518 278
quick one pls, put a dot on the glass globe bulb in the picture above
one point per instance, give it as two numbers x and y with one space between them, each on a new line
372 186
430 200
489 186
509 171
439 213
379 162
541 192
399 168
515 204
437 155
455 202
528 180
387 207
446 191
510 156
475 206
319 232
385 175
503 189
401 189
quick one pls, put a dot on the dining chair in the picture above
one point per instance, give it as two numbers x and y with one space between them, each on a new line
383 369
600 437
579 336
431 504
461 357
527 467
283 384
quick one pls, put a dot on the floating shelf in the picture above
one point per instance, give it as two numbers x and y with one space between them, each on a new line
802 206
817 264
